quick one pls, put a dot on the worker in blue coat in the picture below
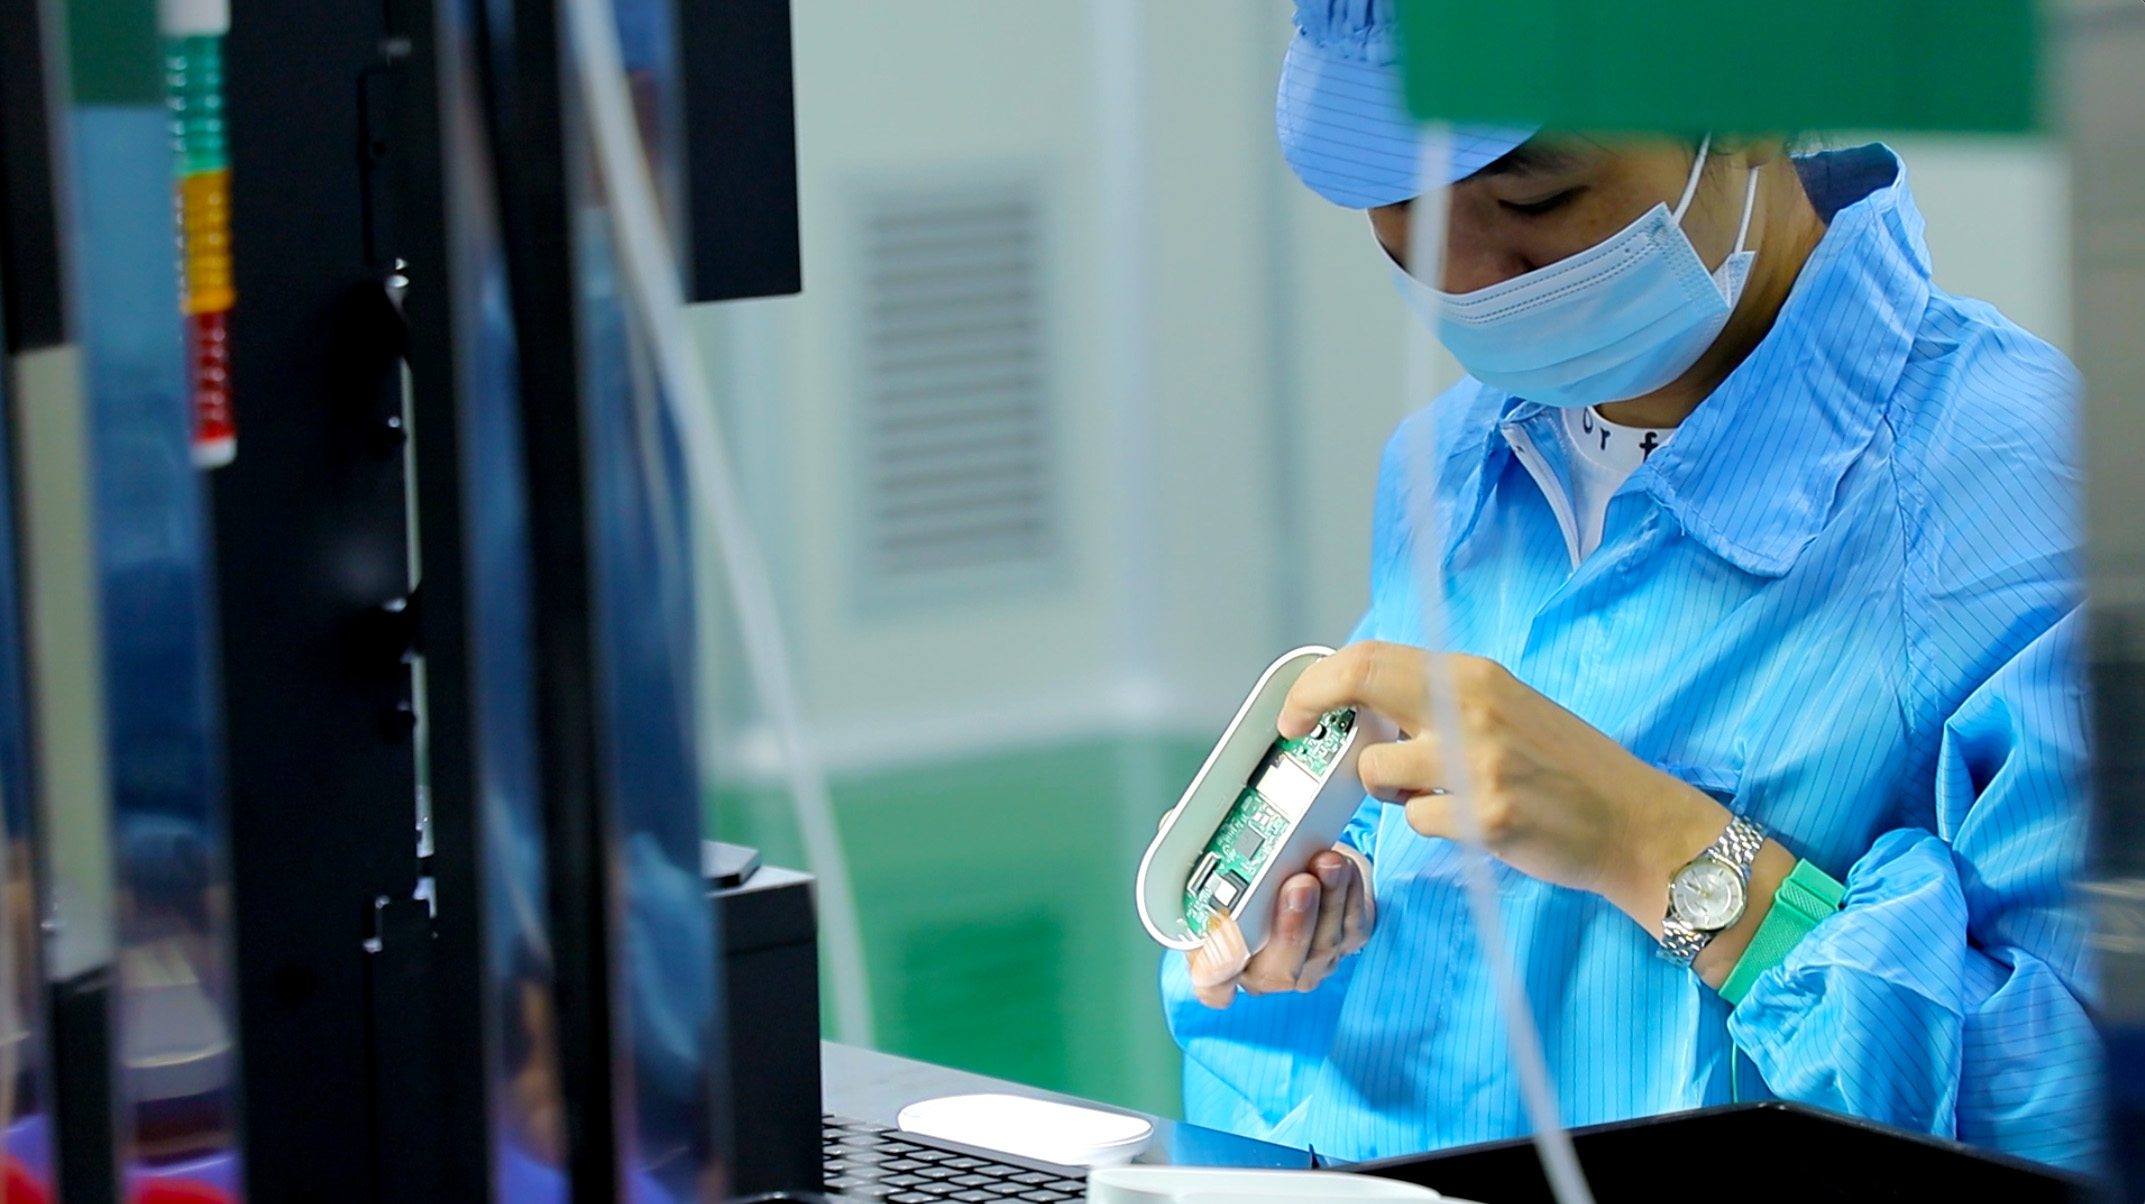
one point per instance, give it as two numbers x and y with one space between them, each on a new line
1759 558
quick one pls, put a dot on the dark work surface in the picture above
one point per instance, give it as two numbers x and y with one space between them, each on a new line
1759 1153
873 1086
2126 1106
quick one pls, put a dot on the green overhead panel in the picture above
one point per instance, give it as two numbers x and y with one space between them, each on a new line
1746 65
113 52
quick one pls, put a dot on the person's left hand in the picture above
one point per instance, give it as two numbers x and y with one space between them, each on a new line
1321 916
1557 799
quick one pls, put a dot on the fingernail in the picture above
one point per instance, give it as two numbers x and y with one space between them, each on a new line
1301 899
1330 874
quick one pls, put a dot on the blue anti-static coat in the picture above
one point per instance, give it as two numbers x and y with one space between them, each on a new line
1844 599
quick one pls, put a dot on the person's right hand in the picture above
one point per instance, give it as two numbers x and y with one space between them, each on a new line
1321 916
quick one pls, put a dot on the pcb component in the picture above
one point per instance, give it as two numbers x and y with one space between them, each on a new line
1280 791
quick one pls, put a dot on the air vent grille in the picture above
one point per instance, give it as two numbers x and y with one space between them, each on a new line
957 429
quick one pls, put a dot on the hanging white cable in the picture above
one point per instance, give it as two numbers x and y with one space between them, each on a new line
650 272
1426 252
1123 190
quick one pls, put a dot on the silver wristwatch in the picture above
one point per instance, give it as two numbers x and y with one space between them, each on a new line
1708 895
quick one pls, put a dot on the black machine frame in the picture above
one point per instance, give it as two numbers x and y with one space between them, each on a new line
313 572
36 316
361 993
1638 1160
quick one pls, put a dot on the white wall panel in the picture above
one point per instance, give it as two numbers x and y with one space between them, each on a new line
1267 373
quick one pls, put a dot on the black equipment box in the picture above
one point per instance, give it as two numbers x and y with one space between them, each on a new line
771 990
1757 1153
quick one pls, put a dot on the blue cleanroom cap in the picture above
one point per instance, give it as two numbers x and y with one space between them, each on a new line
1343 125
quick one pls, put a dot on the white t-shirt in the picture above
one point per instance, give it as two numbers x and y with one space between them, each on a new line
1604 455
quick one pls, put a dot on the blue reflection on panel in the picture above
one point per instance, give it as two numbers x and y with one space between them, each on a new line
645 631
645 646
502 651
173 1029
528 1153
647 46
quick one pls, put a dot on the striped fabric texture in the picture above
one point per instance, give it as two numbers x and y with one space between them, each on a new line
1845 600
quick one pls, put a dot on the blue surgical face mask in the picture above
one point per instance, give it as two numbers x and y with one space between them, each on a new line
1616 321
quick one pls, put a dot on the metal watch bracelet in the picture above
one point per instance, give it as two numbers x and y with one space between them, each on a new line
1737 848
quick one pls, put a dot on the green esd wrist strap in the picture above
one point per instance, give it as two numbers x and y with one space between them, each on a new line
1805 897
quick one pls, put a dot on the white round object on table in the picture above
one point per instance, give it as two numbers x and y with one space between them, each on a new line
1031 1128
1208 1185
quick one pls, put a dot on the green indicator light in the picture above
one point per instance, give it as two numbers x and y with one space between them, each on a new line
193 89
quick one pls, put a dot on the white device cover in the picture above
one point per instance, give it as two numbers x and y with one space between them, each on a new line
1205 1185
1158 893
1031 1128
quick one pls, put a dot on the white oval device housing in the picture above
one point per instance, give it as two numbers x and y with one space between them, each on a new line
1190 825
1212 1185
1032 1128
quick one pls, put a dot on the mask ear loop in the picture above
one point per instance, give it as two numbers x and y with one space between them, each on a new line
1750 206
1690 186
1428 228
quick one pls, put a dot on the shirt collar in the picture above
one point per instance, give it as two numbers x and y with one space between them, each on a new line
1753 472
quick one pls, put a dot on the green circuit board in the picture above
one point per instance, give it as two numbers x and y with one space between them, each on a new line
1316 749
1254 828
1233 859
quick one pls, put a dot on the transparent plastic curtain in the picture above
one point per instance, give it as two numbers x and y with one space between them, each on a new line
524 1095
1426 247
25 1125
648 265
174 1031
666 963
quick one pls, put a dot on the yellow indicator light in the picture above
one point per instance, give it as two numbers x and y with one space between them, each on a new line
205 222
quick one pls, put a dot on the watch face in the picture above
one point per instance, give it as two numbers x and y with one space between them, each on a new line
1707 895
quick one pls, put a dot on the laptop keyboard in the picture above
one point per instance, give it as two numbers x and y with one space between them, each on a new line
866 1161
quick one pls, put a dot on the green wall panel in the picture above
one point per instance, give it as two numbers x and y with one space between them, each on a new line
995 899
1685 65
